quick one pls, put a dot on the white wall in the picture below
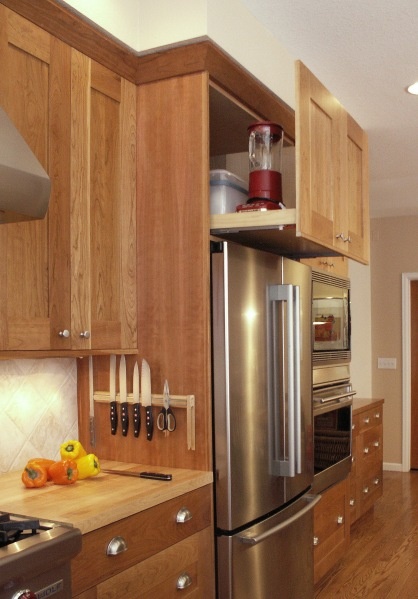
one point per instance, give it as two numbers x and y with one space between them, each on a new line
146 26
361 348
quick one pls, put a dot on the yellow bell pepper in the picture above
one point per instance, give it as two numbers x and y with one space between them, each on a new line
72 450
88 466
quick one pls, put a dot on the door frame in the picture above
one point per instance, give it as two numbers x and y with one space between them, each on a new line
407 277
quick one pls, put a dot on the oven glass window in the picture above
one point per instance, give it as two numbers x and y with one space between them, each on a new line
332 437
331 318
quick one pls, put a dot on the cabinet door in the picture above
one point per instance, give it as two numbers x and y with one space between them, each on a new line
33 90
103 207
319 151
355 220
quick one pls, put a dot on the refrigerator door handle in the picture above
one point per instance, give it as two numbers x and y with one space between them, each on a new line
291 464
255 539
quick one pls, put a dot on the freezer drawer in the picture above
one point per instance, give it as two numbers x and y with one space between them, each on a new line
271 559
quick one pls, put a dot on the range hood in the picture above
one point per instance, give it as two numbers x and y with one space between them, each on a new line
25 187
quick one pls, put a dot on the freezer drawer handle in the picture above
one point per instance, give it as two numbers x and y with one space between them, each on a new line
254 540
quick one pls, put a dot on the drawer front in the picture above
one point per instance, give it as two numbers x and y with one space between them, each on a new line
145 534
329 514
353 499
184 569
371 486
370 418
371 444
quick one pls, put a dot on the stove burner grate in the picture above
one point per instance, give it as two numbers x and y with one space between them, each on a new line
12 530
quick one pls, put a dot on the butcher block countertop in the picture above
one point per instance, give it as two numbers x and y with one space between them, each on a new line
95 502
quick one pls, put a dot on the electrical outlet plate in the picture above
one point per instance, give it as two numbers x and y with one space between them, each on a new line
386 363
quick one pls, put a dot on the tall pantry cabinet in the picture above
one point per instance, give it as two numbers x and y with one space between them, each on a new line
68 281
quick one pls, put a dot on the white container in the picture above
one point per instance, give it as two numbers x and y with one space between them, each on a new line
227 191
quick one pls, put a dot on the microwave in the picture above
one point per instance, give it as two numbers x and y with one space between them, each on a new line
331 319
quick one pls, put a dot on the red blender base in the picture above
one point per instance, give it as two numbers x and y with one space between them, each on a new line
259 205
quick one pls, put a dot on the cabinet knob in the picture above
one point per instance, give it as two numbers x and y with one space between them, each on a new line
376 481
352 502
85 334
65 333
366 490
377 415
183 581
316 541
366 450
183 515
366 420
116 545
376 444
340 519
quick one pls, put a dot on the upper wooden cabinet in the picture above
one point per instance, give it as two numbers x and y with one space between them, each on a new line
331 171
69 281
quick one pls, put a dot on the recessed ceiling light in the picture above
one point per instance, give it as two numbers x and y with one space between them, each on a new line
413 89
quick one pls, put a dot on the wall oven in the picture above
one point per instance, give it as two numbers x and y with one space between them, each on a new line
331 319
332 417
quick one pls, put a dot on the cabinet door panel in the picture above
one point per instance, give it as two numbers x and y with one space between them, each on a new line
25 95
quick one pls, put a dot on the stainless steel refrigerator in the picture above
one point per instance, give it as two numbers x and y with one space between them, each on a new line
263 458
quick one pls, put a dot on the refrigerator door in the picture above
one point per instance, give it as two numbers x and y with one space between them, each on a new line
271 559
258 418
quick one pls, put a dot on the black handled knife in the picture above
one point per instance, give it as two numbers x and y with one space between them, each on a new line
146 398
137 412
124 414
112 393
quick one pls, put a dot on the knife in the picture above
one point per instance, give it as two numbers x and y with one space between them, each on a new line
91 404
146 398
137 413
112 393
123 396
151 475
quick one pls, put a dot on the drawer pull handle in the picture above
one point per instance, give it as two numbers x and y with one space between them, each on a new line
366 450
366 490
183 515
85 334
366 420
183 581
377 415
65 333
376 481
376 444
352 502
116 545
340 520
316 541
353 427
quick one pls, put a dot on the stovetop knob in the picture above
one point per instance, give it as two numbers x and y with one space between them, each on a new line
24 594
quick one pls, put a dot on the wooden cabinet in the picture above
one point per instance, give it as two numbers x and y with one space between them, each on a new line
366 479
69 281
331 528
168 550
331 171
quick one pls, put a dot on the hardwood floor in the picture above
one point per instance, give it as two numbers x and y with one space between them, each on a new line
382 560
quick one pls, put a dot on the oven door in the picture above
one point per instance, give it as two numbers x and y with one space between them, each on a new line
332 442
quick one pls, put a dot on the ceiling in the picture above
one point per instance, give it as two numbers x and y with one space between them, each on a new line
366 53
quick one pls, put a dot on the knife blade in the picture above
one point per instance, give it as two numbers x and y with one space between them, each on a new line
112 394
137 412
123 396
146 398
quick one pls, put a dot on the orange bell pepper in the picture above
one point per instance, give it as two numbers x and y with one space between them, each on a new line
64 472
34 476
43 462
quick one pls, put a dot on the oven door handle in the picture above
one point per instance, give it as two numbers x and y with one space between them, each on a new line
338 397
290 463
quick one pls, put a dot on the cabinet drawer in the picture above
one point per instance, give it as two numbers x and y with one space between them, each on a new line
370 418
371 486
145 534
371 443
185 563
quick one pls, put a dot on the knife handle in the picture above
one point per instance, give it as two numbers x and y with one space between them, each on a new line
137 420
124 418
113 417
149 421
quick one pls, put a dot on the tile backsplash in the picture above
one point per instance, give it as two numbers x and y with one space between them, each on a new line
38 409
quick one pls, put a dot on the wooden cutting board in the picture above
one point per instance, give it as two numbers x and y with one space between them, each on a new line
95 502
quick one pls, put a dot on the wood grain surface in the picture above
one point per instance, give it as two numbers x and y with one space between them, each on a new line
95 502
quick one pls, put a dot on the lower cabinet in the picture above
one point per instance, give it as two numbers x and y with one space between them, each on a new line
331 528
156 553
367 457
